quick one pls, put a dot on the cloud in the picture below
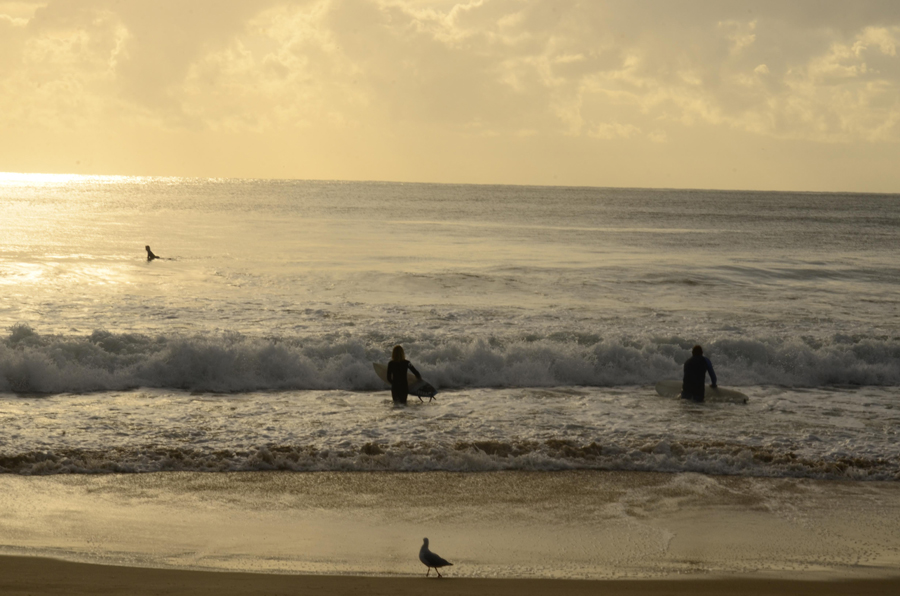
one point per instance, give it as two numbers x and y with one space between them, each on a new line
613 130
739 34
625 71
285 69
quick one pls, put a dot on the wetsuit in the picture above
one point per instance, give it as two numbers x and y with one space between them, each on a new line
694 383
396 375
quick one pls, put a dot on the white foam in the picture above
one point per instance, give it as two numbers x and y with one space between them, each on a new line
473 430
103 361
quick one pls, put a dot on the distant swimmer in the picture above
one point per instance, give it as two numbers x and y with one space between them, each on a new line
150 255
693 385
396 375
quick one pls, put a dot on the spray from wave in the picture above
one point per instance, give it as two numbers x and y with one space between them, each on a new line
231 362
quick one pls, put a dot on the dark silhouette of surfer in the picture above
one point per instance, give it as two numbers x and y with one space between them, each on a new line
693 385
396 375
150 255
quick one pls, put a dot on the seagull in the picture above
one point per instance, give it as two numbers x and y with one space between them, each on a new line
429 559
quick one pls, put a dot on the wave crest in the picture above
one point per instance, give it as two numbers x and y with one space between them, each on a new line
104 361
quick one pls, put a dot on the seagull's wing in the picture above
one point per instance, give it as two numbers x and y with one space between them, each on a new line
432 560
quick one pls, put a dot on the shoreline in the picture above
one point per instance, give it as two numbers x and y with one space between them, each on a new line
603 526
37 576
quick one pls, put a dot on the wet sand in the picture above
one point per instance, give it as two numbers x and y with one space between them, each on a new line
49 577
506 525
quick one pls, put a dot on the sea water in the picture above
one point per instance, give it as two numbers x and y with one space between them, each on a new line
543 315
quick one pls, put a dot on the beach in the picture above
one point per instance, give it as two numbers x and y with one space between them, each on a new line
214 415
640 260
508 525
47 577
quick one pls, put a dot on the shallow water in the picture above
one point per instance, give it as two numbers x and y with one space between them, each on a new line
835 434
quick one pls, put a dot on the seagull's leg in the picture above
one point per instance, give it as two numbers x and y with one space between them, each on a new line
427 572
438 572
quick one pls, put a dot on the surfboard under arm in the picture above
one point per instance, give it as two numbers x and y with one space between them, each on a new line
673 389
418 387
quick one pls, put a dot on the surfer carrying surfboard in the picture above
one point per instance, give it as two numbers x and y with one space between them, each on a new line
396 375
693 385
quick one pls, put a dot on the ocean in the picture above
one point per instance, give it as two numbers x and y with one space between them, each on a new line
543 315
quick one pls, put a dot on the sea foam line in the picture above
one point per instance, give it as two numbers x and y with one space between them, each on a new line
466 456
104 361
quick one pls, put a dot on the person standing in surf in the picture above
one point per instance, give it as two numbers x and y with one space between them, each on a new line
693 386
396 375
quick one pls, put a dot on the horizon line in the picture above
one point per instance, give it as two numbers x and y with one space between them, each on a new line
25 176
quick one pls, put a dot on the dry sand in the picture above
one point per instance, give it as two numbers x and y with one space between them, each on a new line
45 577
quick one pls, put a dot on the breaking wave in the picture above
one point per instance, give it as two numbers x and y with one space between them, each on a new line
104 361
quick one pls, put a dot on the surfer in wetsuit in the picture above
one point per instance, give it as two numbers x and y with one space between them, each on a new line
396 375
693 385
150 255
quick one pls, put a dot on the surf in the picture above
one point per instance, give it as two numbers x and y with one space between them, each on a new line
35 362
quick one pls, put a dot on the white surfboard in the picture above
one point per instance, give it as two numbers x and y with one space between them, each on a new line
673 389
418 387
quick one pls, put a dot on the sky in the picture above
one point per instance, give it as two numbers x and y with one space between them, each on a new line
768 95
